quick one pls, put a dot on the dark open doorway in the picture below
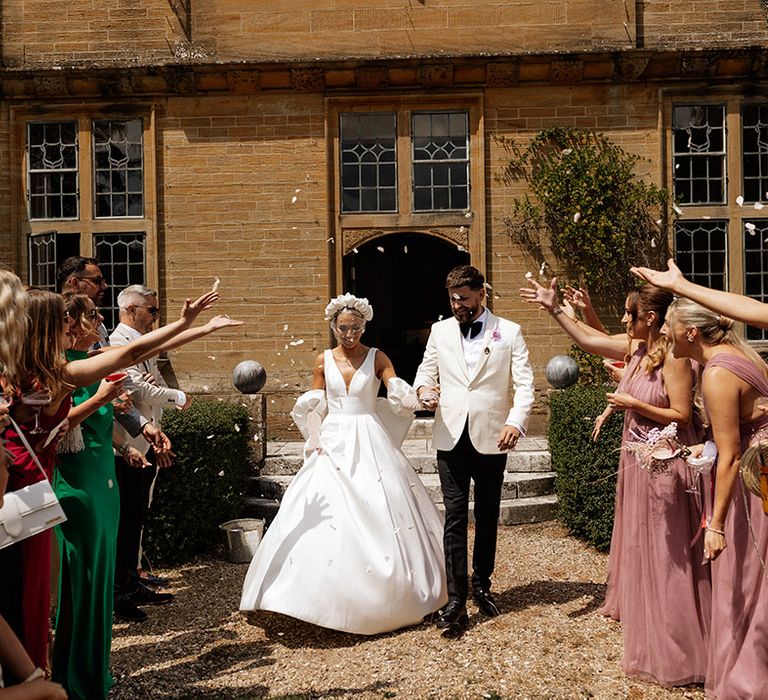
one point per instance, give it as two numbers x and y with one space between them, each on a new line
403 276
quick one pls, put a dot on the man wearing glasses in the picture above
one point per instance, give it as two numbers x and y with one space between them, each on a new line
138 313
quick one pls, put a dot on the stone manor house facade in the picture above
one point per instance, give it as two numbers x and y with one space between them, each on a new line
296 149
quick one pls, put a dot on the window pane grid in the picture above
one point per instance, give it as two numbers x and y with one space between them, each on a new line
42 261
52 170
122 262
368 162
118 168
440 154
755 232
699 151
701 251
754 140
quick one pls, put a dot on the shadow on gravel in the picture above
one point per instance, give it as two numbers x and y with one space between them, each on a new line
294 633
553 593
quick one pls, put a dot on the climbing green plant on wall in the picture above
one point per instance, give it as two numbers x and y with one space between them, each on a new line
587 207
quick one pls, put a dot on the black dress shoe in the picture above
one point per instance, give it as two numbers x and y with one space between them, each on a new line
485 602
452 615
144 595
127 611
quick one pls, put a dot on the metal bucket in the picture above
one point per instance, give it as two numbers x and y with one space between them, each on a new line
243 537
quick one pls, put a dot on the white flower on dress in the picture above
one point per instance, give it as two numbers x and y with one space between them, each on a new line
348 301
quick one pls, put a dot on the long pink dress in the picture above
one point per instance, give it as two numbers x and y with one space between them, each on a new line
738 658
657 584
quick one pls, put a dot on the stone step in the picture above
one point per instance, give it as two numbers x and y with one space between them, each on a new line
516 485
514 511
531 455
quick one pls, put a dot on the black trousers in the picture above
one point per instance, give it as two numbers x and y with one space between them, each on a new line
135 488
456 468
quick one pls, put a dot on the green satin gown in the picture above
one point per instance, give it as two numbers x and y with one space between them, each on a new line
87 488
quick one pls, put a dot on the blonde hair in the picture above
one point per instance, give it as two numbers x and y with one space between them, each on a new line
642 301
13 325
43 362
76 305
713 328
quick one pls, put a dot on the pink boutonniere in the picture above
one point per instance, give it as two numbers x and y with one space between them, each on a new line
496 335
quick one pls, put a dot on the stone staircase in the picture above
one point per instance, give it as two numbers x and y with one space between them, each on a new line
527 493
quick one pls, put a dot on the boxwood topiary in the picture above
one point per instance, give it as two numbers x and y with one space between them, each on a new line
205 486
585 471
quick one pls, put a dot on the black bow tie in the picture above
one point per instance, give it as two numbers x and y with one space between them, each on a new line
471 329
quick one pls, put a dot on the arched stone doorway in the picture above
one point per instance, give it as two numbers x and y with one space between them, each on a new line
403 276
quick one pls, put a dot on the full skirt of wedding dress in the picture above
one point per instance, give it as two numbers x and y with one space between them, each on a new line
357 543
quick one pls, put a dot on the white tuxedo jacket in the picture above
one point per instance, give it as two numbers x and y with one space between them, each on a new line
499 390
149 399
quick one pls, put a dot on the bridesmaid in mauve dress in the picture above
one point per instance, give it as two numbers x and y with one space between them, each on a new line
734 380
657 585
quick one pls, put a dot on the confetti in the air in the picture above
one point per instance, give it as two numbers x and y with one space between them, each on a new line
329 240
209 437
440 317
750 227
576 217
300 341
567 151
461 248
529 275
380 248
354 250
653 242
211 357
677 209
237 428
658 222
285 327
405 249
740 201
221 473
542 268
759 205
216 284
468 215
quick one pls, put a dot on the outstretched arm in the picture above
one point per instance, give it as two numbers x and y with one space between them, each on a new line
735 306
597 343
91 369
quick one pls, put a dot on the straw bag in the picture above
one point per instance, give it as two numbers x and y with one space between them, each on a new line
30 510
754 471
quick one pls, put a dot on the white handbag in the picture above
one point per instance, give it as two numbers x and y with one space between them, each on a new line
30 510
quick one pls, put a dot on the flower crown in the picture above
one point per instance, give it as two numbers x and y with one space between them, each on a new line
348 301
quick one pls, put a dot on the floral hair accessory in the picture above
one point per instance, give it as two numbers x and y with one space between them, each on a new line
351 302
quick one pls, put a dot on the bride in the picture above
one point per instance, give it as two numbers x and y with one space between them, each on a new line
357 543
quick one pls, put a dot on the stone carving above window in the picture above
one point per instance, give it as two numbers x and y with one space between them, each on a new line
353 238
505 73
308 79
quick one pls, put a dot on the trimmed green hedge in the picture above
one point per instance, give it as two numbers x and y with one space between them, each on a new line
585 471
206 484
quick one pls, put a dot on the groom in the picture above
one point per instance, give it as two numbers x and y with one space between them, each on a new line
477 376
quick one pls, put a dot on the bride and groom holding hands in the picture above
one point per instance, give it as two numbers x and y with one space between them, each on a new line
358 545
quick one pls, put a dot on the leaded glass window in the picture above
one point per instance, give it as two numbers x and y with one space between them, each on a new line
440 149
122 262
368 163
755 233
43 261
754 135
699 138
700 251
52 170
118 166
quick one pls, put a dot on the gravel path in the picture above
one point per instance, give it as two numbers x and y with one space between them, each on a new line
550 642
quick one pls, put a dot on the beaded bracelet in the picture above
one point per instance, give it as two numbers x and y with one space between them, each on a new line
717 532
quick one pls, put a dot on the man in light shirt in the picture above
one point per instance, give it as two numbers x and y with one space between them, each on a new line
476 376
138 312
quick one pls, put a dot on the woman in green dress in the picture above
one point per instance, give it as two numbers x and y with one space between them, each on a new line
86 486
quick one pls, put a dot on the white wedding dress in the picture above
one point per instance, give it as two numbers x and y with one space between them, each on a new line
357 543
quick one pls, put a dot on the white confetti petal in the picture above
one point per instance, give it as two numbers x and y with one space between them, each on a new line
706 217
759 205
405 249
440 317
653 242
329 240
576 217
216 284
677 209
211 357
300 341
529 275
542 268
468 215
285 327
496 296
658 222
297 190
255 438
209 437
237 428
567 151
205 387
294 199
488 286
380 248
462 229
354 250
221 473
750 227
740 201
461 248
